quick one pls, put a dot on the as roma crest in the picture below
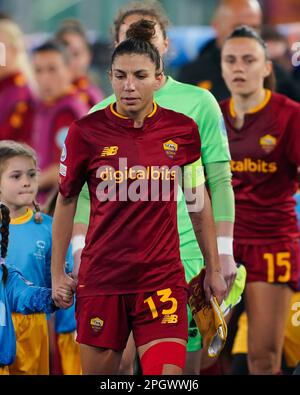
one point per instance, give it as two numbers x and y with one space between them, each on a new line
268 143
96 324
170 148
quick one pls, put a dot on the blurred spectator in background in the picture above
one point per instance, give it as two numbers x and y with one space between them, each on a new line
205 70
74 36
16 81
57 108
278 47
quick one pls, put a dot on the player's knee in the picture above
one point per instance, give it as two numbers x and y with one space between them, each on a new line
163 353
266 363
126 366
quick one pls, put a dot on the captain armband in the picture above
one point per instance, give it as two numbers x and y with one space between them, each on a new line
193 175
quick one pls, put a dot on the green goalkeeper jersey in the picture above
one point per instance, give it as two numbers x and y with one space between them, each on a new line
201 106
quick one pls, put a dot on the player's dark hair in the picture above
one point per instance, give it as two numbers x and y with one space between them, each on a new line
151 9
72 26
4 231
247 32
138 41
54 46
10 149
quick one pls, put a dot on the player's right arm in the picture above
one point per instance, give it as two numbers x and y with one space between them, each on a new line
61 236
200 211
73 170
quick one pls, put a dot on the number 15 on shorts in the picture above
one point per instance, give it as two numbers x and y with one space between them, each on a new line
275 262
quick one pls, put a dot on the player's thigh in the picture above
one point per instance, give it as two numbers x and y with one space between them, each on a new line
267 310
166 354
99 361
128 357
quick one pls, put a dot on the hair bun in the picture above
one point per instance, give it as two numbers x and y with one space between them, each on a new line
141 30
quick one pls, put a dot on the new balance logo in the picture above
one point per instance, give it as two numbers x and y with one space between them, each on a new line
170 319
109 151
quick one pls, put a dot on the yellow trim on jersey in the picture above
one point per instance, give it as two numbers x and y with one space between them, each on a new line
153 111
254 109
123 116
23 219
115 112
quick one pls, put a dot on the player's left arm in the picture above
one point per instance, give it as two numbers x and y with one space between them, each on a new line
215 157
200 211
219 182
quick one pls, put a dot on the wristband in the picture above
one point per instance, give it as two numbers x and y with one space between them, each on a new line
78 243
225 245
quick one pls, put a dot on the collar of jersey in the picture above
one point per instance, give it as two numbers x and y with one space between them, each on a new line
126 121
253 110
23 219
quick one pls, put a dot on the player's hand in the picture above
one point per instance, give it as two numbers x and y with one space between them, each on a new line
63 289
214 285
229 270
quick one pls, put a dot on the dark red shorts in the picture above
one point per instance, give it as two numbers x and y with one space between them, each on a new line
272 263
107 320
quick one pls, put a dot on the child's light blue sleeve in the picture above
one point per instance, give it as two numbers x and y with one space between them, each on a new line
25 298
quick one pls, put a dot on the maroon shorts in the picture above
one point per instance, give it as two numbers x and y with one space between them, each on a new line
107 320
272 263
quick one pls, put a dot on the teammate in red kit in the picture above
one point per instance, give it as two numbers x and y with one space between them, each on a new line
131 276
72 33
16 80
263 132
57 108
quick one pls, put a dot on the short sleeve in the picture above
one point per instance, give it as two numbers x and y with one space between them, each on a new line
74 162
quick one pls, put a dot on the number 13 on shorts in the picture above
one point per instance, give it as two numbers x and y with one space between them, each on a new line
165 297
276 261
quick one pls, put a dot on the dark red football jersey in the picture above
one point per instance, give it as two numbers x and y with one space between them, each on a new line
17 109
265 156
132 244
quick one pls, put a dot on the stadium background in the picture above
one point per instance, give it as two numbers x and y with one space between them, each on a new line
189 30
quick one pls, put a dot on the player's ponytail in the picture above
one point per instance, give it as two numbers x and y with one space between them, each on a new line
139 36
4 231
